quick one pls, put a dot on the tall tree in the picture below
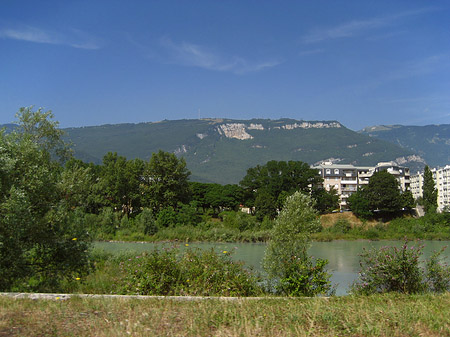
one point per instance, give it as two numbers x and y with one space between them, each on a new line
383 193
165 181
120 182
429 191
40 244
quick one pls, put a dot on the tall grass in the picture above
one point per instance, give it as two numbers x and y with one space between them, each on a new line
380 315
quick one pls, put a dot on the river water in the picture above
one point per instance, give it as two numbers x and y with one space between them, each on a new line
343 256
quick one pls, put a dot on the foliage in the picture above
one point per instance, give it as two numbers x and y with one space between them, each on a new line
392 269
383 193
341 226
145 222
286 260
359 204
429 191
381 197
303 278
238 220
41 241
326 201
165 181
194 272
437 274
120 182
264 184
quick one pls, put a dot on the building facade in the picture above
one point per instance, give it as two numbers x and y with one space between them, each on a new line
346 179
441 177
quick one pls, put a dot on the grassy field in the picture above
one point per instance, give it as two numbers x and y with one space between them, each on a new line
381 315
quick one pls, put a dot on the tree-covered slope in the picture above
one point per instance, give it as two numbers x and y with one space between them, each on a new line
221 150
432 142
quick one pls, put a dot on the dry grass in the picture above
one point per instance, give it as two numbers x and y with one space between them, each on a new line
386 315
329 220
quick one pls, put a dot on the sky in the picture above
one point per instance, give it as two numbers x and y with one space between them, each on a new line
362 63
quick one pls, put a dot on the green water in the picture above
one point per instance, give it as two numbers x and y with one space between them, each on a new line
342 255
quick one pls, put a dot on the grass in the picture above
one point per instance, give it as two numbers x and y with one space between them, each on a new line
381 315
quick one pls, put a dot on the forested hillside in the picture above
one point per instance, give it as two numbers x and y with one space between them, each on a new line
221 150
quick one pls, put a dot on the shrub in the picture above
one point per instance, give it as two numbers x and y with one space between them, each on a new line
238 220
437 274
194 272
145 222
302 278
167 217
341 226
392 269
286 260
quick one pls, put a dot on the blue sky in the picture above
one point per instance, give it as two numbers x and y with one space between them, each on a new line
104 62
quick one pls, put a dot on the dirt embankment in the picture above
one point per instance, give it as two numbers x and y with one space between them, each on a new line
329 220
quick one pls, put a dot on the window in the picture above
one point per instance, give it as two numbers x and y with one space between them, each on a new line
328 171
336 171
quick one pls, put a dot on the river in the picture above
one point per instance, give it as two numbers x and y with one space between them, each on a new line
343 256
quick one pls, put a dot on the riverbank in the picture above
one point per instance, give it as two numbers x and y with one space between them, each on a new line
336 226
380 315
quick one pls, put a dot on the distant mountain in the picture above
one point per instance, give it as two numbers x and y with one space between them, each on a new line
221 150
431 142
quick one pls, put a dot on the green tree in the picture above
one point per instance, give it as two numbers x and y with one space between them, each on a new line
40 241
359 204
120 182
165 181
383 193
276 177
326 201
286 259
429 191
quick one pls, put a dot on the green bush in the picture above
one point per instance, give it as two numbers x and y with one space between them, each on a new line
437 274
238 220
305 279
341 226
392 269
194 272
286 260
145 222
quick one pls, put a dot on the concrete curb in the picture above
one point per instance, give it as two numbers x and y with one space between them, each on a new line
62 297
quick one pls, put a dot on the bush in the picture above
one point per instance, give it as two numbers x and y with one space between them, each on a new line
145 222
341 226
302 278
437 274
286 260
392 269
238 220
194 272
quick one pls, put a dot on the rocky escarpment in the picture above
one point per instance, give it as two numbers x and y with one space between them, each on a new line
239 130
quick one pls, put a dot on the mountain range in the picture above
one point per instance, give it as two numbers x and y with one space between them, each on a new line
431 142
221 150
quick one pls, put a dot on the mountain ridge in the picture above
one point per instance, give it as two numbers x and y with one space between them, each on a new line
221 149
431 142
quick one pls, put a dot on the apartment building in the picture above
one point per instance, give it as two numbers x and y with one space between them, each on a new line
346 179
441 177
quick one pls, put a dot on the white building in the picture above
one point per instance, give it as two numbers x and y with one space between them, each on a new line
441 177
346 179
